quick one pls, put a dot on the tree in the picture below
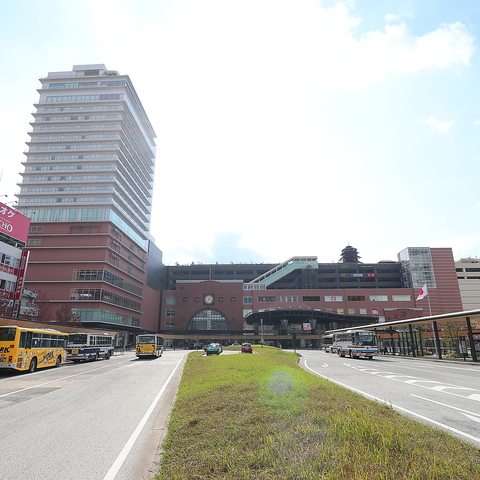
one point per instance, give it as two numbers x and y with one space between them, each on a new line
68 316
41 310
5 306
453 330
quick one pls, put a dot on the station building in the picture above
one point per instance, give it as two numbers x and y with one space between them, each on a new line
302 294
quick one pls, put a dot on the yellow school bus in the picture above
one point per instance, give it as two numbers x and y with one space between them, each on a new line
149 345
26 349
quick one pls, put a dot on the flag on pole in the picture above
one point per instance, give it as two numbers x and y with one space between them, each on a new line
423 292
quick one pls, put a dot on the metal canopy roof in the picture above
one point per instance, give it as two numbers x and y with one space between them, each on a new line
445 317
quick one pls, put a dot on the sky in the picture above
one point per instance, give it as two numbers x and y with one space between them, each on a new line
284 127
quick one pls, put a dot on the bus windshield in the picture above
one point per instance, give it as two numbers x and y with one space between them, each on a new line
366 339
7 334
146 339
77 339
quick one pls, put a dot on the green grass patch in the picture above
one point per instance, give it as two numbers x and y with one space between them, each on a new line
264 417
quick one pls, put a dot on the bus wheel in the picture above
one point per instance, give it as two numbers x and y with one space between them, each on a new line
33 365
59 361
340 353
107 355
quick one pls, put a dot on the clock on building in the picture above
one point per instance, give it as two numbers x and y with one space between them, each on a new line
208 299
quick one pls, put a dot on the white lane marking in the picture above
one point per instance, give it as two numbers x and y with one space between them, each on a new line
60 379
111 474
458 409
471 417
421 382
396 407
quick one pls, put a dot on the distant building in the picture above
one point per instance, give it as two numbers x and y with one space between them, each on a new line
87 188
234 297
468 275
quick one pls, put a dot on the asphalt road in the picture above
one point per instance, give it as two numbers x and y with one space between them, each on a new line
443 394
97 421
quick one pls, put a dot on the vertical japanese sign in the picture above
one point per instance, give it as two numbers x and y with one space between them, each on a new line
20 280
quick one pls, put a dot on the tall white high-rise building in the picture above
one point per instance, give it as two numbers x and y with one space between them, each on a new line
87 188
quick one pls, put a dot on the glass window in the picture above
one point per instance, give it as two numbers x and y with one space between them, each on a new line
401 298
356 298
379 298
334 298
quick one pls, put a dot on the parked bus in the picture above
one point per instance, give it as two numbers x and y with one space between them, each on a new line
90 346
327 341
149 345
355 343
26 349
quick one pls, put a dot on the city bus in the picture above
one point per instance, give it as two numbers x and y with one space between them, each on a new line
327 341
26 349
90 346
355 343
149 345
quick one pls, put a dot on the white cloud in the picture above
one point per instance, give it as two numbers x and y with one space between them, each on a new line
391 17
435 124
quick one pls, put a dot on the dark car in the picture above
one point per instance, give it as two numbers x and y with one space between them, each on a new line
247 348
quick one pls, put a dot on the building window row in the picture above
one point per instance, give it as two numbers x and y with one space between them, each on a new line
110 83
107 277
96 118
73 128
46 148
99 294
106 316
85 108
68 138
71 158
85 98
76 178
331 298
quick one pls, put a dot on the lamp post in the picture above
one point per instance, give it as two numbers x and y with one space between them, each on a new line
261 324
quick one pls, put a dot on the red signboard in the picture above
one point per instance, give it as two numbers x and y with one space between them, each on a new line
13 223
20 280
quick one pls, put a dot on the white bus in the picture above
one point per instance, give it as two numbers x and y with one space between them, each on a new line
327 342
90 346
355 343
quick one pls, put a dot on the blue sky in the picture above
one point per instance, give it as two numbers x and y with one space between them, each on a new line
285 127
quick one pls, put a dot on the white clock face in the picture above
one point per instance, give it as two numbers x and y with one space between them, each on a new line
208 299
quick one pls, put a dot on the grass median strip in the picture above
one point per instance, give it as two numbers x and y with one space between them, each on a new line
262 416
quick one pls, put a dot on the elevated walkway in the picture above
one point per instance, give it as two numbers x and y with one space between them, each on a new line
285 268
